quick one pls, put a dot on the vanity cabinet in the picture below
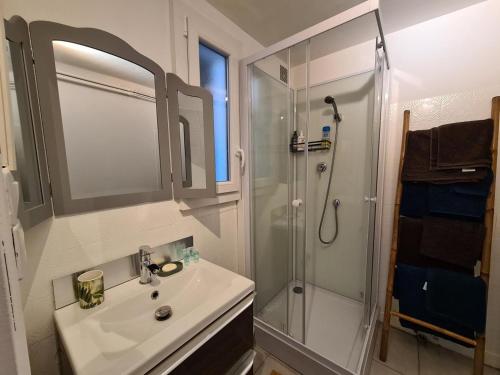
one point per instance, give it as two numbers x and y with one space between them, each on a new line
219 354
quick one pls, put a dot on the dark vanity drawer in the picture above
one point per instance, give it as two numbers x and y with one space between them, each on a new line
223 350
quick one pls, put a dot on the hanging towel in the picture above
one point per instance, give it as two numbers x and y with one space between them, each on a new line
409 239
467 200
455 242
415 199
463 145
410 284
434 148
458 298
460 200
410 234
417 163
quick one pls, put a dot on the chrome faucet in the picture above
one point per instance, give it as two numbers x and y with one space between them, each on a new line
148 269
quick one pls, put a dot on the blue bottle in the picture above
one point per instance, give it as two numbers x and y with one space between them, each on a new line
325 139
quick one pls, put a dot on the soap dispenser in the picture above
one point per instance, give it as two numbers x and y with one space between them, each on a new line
301 141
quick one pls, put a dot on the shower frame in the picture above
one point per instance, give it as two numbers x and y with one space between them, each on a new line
284 346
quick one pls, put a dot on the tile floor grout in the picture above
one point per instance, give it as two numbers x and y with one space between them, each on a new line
386 365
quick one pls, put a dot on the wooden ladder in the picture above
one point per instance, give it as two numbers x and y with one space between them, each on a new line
479 342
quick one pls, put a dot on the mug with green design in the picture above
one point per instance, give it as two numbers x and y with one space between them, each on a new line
90 289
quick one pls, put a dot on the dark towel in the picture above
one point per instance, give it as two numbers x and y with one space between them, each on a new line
409 284
434 148
456 242
417 163
458 298
463 145
415 199
467 200
410 234
461 200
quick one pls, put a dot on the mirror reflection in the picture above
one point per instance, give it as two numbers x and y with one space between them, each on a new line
27 169
109 118
191 113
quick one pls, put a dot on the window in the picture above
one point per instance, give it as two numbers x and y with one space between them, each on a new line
214 78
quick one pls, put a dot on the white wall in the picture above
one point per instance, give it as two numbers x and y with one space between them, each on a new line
66 244
445 70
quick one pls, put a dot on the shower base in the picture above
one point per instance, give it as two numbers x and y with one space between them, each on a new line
333 325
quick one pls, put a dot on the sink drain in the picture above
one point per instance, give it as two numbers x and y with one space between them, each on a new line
163 313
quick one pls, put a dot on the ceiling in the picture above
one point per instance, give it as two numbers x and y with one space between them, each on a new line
269 21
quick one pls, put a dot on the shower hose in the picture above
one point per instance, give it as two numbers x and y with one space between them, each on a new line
336 202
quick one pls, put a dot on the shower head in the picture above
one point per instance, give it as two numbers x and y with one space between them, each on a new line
330 100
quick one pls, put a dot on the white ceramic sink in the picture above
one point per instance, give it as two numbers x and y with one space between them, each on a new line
121 336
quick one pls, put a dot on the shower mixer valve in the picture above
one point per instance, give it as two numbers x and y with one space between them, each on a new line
321 167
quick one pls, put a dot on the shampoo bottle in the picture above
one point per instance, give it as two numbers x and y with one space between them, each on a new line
300 142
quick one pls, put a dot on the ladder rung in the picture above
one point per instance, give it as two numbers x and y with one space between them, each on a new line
434 328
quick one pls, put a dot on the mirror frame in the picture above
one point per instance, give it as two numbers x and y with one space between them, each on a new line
186 155
43 33
174 85
16 31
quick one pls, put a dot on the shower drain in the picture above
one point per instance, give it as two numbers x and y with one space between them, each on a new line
297 290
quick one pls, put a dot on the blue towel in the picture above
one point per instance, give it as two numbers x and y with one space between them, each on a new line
456 297
409 284
415 199
461 200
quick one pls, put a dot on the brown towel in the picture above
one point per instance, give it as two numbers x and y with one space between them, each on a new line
409 240
463 145
417 163
455 242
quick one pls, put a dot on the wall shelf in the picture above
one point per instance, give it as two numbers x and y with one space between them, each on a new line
312 146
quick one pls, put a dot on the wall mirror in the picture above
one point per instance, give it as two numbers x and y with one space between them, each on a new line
105 120
31 166
192 138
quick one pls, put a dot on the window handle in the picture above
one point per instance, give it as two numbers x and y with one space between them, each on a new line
240 153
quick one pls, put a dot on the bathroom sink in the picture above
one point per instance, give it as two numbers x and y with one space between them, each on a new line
122 336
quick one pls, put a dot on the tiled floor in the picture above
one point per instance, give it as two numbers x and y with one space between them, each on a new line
407 356
411 356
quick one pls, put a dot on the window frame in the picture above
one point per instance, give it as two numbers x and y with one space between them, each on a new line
214 40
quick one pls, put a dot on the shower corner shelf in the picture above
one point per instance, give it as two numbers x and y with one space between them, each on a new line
312 146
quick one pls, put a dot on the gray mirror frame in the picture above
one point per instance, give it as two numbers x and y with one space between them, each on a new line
42 35
174 85
16 31
188 182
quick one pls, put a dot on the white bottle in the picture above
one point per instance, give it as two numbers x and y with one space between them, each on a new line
300 142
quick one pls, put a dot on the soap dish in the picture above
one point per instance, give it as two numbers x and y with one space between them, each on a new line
170 268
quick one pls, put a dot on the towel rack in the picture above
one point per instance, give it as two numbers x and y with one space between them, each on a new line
479 342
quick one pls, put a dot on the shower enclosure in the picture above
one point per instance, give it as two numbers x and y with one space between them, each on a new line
316 303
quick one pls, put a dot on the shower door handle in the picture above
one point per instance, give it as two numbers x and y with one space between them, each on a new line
297 203
370 199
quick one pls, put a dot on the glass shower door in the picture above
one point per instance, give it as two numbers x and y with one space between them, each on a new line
278 181
270 119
